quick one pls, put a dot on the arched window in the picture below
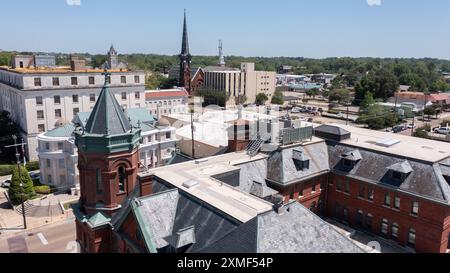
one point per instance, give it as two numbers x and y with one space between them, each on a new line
98 181
122 179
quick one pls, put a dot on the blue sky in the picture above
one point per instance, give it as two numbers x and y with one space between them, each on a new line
308 28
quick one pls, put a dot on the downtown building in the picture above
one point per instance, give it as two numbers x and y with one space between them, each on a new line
217 204
391 186
41 96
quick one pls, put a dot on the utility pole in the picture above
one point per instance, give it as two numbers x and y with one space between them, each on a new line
413 124
20 176
346 123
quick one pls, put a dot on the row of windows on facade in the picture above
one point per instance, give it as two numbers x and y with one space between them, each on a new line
160 103
60 146
74 81
76 99
301 191
61 163
168 111
342 212
367 192
62 179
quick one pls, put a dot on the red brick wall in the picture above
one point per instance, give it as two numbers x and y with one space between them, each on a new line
429 223
129 228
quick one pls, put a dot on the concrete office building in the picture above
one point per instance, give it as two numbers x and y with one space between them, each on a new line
244 82
39 99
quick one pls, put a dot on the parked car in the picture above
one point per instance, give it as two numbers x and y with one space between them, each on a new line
442 130
35 175
6 184
410 126
295 110
398 128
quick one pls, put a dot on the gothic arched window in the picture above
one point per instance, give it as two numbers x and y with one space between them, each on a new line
122 179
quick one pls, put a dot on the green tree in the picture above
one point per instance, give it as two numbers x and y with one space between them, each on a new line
422 132
213 97
261 99
429 111
378 117
342 96
382 83
368 101
16 192
313 92
9 128
278 98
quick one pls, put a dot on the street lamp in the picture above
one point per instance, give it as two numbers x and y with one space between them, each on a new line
21 184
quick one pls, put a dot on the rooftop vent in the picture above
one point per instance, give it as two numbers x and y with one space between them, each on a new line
387 142
190 184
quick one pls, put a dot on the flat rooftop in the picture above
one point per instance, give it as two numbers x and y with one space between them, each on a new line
237 204
407 146
57 70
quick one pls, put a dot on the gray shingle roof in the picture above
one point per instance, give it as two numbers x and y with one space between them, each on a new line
282 168
426 180
168 213
107 117
296 231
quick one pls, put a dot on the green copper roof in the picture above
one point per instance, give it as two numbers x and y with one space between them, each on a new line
63 131
107 117
98 220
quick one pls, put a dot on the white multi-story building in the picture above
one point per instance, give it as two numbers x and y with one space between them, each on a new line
244 82
166 102
58 155
39 99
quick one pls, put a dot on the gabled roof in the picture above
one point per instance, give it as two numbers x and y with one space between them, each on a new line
107 117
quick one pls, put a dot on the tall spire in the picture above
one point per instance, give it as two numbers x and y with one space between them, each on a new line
185 60
221 56
107 117
185 43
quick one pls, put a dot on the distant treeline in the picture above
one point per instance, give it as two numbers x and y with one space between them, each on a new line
421 74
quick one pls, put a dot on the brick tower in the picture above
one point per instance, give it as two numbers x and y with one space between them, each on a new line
108 164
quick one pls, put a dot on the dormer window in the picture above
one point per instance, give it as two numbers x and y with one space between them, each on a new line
399 172
350 159
301 161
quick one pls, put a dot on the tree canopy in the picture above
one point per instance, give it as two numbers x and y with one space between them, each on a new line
15 191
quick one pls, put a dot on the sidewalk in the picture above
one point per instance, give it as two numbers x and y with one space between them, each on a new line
42 211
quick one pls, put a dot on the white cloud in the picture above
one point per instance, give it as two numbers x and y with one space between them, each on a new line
374 2
73 2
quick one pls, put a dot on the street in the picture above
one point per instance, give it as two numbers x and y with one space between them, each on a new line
58 238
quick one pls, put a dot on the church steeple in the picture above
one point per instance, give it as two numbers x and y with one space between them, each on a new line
185 59
185 42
